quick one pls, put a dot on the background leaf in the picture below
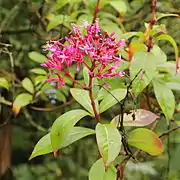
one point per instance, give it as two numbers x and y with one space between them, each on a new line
4 83
145 140
165 98
28 85
37 57
147 63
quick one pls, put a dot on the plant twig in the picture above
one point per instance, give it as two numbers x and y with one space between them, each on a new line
153 21
169 131
96 10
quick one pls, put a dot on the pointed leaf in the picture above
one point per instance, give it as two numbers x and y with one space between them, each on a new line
173 42
86 75
75 134
141 117
36 56
162 15
110 101
165 98
160 55
4 83
145 140
97 171
63 124
120 6
44 144
109 142
22 100
57 20
28 85
82 97
146 62
38 71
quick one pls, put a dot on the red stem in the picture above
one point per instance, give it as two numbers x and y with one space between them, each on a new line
96 10
153 21
97 116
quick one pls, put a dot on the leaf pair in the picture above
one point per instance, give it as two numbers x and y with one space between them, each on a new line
63 133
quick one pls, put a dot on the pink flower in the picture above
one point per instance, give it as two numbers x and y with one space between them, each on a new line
100 47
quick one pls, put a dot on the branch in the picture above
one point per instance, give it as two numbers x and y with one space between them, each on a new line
96 10
169 131
153 21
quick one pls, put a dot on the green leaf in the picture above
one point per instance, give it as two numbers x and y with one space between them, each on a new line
109 142
38 71
28 85
75 134
22 100
4 83
44 144
159 54
97 171
82 97
86 75
60 3
146 62
57 20
110 101
131 34
39 79
63 124
162 15
173 42
165 98
37 57
119 5
141 117
145 140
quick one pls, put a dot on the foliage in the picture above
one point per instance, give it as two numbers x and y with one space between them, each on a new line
119 119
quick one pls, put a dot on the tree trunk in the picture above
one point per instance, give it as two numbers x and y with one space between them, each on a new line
5 143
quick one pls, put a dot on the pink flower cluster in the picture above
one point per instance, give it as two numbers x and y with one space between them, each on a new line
98 46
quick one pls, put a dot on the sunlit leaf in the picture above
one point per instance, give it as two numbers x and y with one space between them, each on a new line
82 97
165 98
28 85
162 15
36 56
86 75
146 63
97 171
4 83
120 6
109 142
145 140
159 54
173 42
139 117
20 101
38 71
39 79
44 144
63 124
57 20
110 101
